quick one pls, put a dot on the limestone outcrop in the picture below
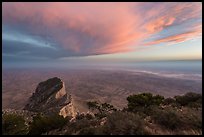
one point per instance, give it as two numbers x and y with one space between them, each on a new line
51 97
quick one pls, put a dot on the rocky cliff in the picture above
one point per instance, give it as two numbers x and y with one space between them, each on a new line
51 97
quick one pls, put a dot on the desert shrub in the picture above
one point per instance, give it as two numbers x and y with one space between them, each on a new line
124 123
191 119
89 116
189 98
80 116
140 102
107 107
196 104
171 102
42 124
87 131
102 108
84 116
157 100
193 122
100 115
168 101
143 100
151 110
13 124
167 118
82 126
93 105
99 130
116 123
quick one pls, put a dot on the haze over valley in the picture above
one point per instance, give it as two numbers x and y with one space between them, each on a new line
105 85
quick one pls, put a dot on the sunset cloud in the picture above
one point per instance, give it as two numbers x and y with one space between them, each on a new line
82 29
181 37
159 24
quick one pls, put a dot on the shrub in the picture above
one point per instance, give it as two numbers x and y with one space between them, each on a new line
107 107
100 115
13 124
89 116
188 98
191 119
102 109
82 126
167 118
42 124
87 131
116 123
157 100
169 101
80 116
196 104
142 101
99 130
193 122
124 123
93 105
84 116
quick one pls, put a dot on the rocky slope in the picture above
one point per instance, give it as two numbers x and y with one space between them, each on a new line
51 97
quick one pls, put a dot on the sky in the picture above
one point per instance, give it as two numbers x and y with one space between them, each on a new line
43 33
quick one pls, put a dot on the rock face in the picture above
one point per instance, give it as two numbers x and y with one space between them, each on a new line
51 97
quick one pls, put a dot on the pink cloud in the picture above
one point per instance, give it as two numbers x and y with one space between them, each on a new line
99 28
170 14
159 24
195 32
